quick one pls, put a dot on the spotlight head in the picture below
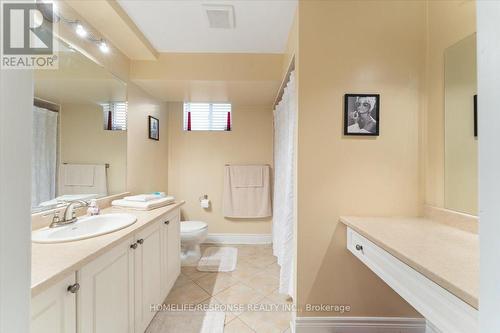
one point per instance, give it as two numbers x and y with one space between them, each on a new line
80 30
103 47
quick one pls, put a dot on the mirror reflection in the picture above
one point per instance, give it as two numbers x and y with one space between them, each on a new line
461 127
79 132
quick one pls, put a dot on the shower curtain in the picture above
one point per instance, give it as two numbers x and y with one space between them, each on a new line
284 169
43 156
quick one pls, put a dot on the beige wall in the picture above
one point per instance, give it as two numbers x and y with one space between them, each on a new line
147 160
245 79
448 22
209 67
461 176
349 47
83 140
197 159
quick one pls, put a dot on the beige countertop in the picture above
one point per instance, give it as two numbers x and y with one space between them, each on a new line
446 255
52 262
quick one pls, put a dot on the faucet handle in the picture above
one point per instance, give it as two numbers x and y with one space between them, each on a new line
56 218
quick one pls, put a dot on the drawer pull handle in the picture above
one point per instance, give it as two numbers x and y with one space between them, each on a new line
359 247
133 246
167 222
140 241
74 288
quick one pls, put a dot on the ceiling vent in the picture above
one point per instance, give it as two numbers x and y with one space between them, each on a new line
220 16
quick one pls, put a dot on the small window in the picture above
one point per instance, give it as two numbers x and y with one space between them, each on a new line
115 116
207 117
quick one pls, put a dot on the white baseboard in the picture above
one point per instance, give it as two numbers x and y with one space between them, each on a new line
239 239
358 325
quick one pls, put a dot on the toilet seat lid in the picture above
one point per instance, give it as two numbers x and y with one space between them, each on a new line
190 226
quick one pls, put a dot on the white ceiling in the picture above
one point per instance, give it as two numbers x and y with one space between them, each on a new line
261 26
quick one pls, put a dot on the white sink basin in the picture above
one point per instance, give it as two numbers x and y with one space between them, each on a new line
85 227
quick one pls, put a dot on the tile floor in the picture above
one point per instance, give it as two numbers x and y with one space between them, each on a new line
254 284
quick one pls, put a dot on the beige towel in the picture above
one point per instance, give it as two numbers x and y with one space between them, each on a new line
79 175
247 175
82 179
247 191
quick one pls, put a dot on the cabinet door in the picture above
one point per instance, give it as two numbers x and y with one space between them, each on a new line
173 250
170 242
105 302
165 287
147 275
54 310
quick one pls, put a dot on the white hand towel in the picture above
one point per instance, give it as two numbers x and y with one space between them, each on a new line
79 175
83 179
144 197
148 205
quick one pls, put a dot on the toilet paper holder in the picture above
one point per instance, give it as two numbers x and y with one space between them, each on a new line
204 202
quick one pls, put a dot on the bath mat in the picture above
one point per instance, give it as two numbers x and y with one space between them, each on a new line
187 321
218 259
213 322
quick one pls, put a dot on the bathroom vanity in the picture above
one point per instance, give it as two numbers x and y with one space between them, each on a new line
433 265
107 283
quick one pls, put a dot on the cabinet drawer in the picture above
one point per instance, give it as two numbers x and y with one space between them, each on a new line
357 244
171 216
443 309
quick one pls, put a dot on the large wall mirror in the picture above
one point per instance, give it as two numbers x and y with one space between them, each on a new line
461 170
79 132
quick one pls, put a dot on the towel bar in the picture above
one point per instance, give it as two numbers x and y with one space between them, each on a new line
248 164
106 165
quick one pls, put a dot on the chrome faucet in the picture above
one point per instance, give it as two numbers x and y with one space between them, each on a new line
69 215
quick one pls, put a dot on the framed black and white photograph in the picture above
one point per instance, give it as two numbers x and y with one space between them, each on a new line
361 114
154 128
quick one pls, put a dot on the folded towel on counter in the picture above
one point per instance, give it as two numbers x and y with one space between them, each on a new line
145 197
147 205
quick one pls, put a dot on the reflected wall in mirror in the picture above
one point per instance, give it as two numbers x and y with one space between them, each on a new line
461 172
79 132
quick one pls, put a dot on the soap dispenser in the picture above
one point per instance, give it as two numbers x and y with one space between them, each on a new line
93 208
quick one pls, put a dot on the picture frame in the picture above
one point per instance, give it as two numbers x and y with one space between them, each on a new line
154 128
362 114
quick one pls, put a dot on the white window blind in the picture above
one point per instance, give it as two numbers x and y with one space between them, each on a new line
207 116
118 113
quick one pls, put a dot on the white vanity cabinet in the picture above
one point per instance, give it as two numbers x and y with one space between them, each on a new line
54 310
171 245
105 301
148 260
118 288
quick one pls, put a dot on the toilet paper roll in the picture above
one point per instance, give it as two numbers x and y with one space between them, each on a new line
205 203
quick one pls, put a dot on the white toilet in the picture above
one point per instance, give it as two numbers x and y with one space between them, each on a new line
193 233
